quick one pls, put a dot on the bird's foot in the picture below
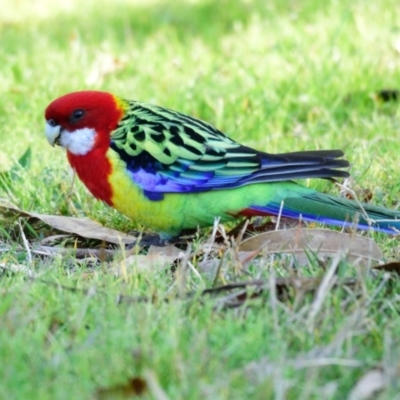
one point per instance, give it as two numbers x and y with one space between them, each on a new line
155 240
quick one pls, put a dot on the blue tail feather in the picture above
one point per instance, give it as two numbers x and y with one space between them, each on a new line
391 225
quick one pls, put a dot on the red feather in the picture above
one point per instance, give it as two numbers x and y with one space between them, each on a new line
248 212
102 113
95 178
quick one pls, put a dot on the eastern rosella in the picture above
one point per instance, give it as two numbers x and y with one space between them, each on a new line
172 172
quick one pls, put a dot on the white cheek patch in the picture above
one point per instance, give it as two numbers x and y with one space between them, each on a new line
78 142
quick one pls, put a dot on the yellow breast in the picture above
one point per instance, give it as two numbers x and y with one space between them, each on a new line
129 199
176 211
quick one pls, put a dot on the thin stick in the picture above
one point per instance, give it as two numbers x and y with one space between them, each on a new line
25 241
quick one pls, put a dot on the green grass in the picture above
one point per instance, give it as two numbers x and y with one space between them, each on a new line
279 75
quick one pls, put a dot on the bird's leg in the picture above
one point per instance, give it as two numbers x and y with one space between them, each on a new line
147 241
153 239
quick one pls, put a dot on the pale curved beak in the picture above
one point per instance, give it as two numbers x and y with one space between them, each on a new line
53 133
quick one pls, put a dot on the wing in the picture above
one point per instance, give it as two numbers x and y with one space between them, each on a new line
169 152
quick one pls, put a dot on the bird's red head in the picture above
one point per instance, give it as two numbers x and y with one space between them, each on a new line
83 121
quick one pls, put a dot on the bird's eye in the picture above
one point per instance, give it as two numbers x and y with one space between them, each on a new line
51 122
77 115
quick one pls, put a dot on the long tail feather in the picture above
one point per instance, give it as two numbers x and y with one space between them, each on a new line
323 208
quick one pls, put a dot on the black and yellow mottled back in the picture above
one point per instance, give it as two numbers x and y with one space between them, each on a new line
169 152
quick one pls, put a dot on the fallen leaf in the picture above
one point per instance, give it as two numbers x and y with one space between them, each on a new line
169 251
157 258
142 263
323 242
367 386
84 227
393 266
209 267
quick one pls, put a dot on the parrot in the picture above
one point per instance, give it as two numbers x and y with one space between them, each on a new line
172 173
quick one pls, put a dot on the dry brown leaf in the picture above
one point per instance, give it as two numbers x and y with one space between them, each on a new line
84 227
169 251
209 267
142 263
389 267
157 258
367 386
323 242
